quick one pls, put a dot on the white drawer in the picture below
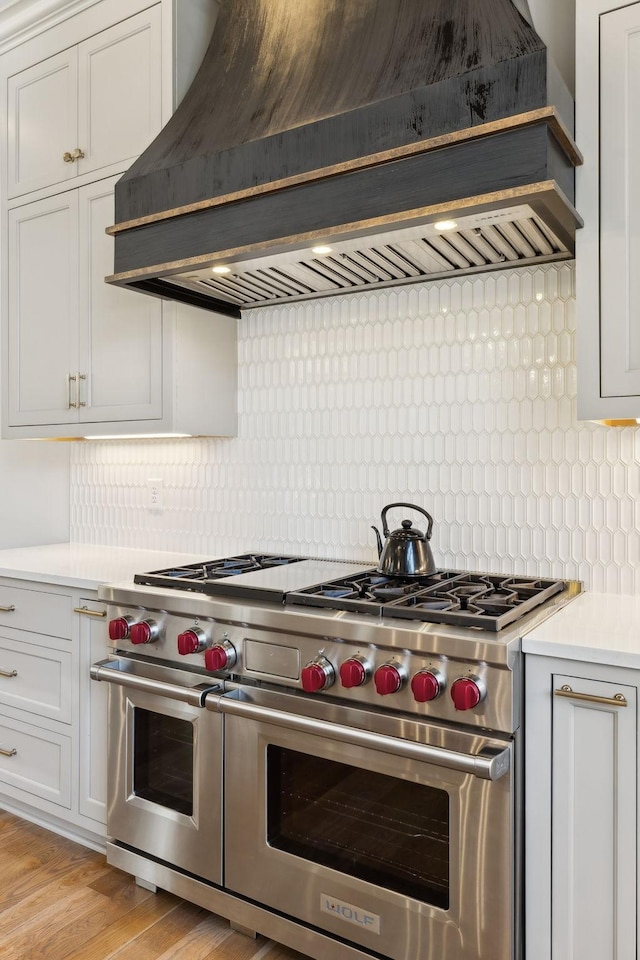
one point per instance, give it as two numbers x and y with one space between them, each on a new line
36 610
41 764
35 677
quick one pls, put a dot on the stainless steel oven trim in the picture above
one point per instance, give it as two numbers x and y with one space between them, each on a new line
179 711
312 943
161 831
272 877
490 763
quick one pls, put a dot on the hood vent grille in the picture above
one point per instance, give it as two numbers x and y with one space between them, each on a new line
515 237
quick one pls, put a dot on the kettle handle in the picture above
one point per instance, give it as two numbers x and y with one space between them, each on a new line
411 506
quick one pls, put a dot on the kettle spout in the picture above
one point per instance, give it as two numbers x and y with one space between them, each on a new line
379 539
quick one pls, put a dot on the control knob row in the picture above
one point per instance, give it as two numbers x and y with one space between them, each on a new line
220 656
426 685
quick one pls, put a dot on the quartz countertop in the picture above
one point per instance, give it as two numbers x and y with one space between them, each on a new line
85 565
596 627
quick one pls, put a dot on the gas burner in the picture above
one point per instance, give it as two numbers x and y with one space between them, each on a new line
485 601
477 600
369 592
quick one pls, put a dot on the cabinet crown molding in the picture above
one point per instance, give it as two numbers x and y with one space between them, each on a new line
20 20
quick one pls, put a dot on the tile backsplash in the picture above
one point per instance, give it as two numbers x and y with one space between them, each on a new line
457 395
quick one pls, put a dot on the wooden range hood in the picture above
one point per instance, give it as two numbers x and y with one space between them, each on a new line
357 124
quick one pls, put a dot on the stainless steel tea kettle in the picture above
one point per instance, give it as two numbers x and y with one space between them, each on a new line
406 552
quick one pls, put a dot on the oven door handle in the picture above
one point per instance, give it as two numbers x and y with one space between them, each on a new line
110 671
491 763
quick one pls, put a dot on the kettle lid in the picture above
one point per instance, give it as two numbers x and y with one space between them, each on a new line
407 532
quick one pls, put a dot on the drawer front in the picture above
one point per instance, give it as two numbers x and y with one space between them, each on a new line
35 678
36 610
35 761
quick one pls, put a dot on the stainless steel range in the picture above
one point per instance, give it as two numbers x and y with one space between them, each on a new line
324 753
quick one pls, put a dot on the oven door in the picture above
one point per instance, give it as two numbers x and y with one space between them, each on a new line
393 834
164 765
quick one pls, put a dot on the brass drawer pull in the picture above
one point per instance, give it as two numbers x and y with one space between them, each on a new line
8 673
10 609
619 700
7 753
90 613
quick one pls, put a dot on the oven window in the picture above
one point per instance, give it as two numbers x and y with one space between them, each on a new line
390 832
163 760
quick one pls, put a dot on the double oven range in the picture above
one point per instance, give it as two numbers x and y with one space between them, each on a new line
324 754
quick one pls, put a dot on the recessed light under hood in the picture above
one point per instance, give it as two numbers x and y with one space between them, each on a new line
356 124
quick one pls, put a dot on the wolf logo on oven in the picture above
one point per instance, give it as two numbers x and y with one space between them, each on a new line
350 913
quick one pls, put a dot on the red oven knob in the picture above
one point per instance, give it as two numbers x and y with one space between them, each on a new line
467 692
119 628
317 675
221 656
147 631
427 685
354 672
191 641
388 679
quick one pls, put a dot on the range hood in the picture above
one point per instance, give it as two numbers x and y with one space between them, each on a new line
359 126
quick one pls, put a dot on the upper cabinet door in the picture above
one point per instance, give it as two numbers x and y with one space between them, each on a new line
120 92
42 351
42 124
620 202
120 333
90 110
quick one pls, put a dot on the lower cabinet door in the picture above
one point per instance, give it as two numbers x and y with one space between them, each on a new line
92 732
594 835
34 676
34 761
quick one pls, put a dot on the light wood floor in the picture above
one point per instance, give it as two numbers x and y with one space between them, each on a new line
60 901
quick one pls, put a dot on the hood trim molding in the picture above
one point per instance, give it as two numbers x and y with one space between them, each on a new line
546 195
547 114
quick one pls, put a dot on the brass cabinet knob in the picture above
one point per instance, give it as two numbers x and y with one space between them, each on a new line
71 157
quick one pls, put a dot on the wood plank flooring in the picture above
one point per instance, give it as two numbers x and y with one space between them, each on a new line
60 901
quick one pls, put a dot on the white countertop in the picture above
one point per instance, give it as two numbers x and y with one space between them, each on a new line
85 565
596 627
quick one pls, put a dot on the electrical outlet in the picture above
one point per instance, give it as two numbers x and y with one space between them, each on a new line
154 493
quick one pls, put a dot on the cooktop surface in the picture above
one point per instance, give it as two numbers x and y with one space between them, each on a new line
481 600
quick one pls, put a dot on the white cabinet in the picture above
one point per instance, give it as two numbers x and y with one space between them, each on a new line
80 357
608 198
53 718
92 733
98 357
42 118
581 813
92 107
44 234
34 676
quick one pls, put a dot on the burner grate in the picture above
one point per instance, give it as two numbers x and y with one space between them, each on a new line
368 592
484 601
196 576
